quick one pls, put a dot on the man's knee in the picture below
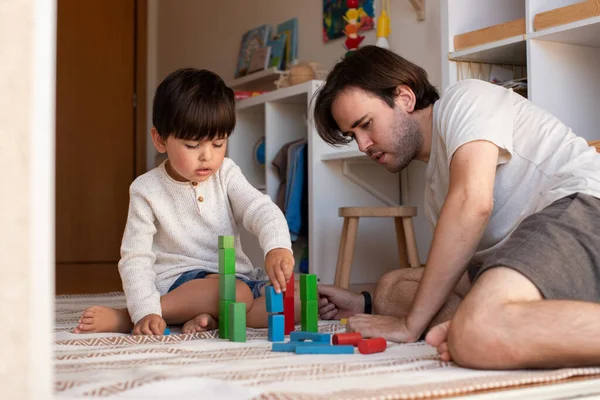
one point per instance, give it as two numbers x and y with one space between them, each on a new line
395 291
477 338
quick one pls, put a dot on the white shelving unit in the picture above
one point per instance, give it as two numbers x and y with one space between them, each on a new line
282 116
561 60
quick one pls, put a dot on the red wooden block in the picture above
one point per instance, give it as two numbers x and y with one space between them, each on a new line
289 288
289 315
352 338
370 346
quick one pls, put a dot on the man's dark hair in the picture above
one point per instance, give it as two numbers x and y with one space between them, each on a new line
193 104
376 71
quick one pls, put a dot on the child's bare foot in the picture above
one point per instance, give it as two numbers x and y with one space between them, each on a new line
104 319
201 323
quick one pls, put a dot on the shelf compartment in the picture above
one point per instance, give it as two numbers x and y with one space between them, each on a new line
291 95
490 34
585 32
507 51
566 15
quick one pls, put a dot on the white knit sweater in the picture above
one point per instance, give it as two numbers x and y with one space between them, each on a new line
173 227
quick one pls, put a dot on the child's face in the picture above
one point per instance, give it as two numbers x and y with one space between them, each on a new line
191 160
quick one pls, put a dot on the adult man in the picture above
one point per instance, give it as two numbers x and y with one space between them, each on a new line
510 189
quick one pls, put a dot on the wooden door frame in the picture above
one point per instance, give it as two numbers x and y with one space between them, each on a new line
141 76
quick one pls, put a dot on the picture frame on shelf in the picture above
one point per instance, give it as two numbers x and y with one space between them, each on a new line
289 30
251 40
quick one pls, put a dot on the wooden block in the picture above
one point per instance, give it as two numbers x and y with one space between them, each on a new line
301 336
237 322
325 350
226 261
489 34
310 316
276 331
374 345
351 338
289 312
308 287
566 15
344 321
227 287
226 242
290 347
224 330
289 288
273 301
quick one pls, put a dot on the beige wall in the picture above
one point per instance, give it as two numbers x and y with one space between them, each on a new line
25 331
207 34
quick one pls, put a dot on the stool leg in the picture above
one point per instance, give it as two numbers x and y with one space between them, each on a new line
401 239
411 242
348 255
338 268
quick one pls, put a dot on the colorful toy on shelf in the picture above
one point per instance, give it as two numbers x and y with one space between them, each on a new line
352 17
383 25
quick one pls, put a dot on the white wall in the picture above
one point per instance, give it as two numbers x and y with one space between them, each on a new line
206 34
27 48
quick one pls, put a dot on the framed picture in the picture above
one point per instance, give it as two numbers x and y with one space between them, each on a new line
334 22
289 31
252 40
260 59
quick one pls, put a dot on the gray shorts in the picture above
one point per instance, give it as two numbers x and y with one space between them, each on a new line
558 249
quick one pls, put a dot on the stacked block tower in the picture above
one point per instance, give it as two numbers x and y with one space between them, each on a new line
309 300
232 315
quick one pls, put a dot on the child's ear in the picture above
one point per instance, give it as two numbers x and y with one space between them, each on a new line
159 143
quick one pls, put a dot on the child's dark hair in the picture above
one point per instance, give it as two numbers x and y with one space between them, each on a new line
193 104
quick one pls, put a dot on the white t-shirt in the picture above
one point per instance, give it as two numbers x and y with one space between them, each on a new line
541 160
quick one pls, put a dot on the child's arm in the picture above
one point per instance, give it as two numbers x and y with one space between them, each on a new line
137 260
264 219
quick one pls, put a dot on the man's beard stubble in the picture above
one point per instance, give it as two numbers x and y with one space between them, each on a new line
407 141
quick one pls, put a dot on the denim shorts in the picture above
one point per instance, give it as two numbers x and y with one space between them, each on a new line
255 286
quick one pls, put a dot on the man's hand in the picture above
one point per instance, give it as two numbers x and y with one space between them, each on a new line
338 303
438 337
390 328
151 324
279 264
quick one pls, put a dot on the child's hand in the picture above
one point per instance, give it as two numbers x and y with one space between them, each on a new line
151 324
279 264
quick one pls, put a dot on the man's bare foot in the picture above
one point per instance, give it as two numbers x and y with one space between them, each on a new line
104 319
438 337
390 328
201 323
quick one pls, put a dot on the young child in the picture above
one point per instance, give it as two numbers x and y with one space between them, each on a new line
169 257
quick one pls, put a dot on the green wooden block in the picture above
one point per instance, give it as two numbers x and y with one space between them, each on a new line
224 329
227 287
308 287
226 261
237 322
226 242
310 316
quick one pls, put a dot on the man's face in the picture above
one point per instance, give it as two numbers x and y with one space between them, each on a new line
390 136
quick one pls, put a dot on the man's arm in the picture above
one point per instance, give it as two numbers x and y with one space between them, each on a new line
462 221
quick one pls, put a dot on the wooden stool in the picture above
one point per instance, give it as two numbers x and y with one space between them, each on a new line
405 236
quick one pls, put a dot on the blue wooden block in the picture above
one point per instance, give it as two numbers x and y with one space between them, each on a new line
290 347
167 331
300 336
346 349
274 301
276 323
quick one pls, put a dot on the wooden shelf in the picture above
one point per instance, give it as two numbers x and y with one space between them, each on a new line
344 155
490 34
585 32
290 95
262 80
507 51
566 15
